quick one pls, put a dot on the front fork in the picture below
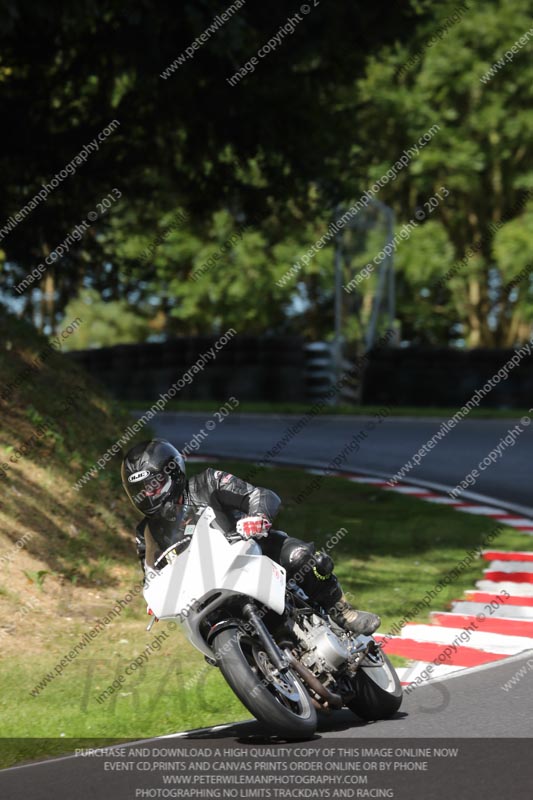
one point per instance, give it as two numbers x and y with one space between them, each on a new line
272 650
283 661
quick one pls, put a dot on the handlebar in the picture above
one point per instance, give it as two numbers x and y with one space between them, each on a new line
234 537
176 549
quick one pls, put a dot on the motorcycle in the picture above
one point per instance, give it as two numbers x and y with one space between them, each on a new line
280 652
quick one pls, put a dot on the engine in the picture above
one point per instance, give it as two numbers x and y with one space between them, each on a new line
323 651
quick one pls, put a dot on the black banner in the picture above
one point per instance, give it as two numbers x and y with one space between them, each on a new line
429 769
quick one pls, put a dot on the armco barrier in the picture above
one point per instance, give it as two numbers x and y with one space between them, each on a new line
250 368
286 368
416 376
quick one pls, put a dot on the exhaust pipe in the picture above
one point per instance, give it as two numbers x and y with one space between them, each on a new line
333 700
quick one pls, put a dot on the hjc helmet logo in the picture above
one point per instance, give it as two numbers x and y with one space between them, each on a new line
138 476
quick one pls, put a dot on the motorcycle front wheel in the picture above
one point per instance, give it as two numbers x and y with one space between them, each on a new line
278 700
378 691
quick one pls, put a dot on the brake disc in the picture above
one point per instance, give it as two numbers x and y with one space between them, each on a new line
283 683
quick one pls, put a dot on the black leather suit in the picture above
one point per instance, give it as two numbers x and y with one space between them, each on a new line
231 497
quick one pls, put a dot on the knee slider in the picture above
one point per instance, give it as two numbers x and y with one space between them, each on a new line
323 564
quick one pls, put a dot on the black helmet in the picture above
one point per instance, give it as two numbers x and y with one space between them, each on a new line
153 475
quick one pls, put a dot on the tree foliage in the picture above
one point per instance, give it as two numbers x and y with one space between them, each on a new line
249 153
319 120
103 323
480 154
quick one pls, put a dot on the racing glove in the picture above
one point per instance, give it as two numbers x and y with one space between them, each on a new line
256 526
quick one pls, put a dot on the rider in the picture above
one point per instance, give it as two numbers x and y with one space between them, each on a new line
154 477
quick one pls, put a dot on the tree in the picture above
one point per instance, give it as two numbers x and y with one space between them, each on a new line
186 137
480 154
102 324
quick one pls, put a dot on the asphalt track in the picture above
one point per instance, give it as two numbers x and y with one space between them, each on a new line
467 710
381 451
466 704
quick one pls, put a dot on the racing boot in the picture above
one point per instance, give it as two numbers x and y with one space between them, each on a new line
334 600
347 617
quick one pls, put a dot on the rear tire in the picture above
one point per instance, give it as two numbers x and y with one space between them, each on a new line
281 702
378 691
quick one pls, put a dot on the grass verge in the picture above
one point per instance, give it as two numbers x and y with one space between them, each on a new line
209 406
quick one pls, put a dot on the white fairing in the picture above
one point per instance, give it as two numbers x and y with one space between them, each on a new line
208 571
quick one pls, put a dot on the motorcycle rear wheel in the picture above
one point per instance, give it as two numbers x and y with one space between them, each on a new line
280 702
378 691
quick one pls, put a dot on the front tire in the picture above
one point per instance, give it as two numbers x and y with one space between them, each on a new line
280 702
378 691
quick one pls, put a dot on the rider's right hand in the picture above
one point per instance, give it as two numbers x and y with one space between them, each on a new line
256 526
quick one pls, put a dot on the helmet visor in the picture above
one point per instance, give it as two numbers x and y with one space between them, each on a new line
149 493
157 484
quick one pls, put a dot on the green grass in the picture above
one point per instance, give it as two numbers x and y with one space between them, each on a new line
209 406
395 550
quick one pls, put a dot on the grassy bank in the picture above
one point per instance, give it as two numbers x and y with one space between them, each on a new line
395 549
64 554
